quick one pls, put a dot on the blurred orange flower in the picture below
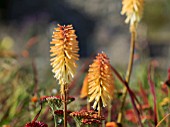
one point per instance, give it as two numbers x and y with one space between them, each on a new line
84 90
34 99
6 126
111 124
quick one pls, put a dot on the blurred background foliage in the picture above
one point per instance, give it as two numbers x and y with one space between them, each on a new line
25 32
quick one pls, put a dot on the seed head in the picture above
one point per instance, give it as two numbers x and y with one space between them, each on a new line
133 10
90 118
100 81
36 124
64 53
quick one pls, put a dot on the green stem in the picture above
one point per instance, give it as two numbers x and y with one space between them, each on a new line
128 74
88 104
55 120
54 116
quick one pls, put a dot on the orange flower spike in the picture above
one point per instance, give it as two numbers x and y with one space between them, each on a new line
100 81
84 90
6 126
111 124
64 53
133 10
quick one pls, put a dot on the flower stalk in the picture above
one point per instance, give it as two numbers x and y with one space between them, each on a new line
100 108
128 74
65 106
109 112
133 9
168 85
54 116
88 105
168 121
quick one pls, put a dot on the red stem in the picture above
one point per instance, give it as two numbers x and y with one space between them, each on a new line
36 117
152 89
132 95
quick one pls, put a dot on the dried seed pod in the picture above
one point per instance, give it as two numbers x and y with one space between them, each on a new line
100 81
64 53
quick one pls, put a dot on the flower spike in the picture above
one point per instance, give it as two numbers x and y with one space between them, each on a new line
133 10
100 81
64 53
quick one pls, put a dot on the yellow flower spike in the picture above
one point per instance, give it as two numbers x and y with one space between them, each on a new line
133 10
165 101
100 80
64 53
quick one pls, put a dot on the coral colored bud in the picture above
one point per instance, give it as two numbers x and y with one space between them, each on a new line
34 99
